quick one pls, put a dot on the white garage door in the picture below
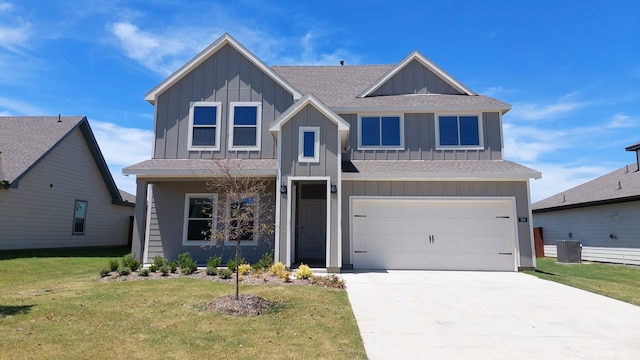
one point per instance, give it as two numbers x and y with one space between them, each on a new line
392 233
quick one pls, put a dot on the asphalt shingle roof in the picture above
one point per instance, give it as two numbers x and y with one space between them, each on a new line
617 185
441 168
199 167
25 139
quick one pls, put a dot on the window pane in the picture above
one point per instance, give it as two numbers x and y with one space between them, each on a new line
197 229
204 115
391 131
244 136
79 216
204 136
242 223
200 207
448 130
78 225
81 209
309 144
469 134
370 131
245 115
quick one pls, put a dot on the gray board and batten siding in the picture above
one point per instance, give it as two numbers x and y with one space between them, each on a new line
453 189
166 225
415 78
225 77
420 141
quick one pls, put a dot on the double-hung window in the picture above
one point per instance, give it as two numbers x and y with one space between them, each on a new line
381 132
79 217
199 218
459 131
244 125
242 221
308 144
204 126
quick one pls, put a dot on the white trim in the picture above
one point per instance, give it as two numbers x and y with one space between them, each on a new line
218 106
276 253
480 145
422 176
147 229
185 217
256 220
191 173
415 55
501 136
339 206
316 144
530 222
381 147
308 99
419 109
223 40
507 199
231 126
328 225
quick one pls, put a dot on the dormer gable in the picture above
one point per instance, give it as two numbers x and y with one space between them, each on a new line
221 42
416 74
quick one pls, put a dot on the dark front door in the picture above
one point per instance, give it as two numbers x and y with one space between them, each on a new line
312 224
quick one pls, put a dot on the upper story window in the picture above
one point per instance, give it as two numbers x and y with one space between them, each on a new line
79 217
381 132
199 218
244 125
309 144
459 131
204 126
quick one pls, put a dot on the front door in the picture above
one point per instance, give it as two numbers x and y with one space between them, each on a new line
312 225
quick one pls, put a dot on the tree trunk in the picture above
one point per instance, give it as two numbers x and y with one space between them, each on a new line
237 270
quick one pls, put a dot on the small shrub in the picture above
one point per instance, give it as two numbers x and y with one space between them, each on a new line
164 270
214 261
231 263
186 263
159 261
265 261
153 267
331 281
286 276
225 273
277 269
144 272
124 270
304 272
212 270
244 269
105 272
173 267
113 265
130 262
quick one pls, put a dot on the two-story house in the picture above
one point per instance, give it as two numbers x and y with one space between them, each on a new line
372 167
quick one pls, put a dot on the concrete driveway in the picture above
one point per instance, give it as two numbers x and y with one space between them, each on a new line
487 315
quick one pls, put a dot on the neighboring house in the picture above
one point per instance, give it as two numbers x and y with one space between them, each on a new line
603 214
55 188
372 167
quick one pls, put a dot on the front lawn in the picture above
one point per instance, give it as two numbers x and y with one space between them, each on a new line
615 281
53 306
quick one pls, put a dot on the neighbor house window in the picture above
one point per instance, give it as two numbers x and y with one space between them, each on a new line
199 218
242 221
308 144
79 217
204 126
244 125
459 131
381 132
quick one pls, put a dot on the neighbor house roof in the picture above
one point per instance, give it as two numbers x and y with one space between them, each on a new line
436 169
339 87
27 140
200 167
618 186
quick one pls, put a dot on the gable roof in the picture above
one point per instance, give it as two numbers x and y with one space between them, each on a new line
617 186
415 55
27 140
225 39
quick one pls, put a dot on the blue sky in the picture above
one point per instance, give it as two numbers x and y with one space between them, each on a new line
570 69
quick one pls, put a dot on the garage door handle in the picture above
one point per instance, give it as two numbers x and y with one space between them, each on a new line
356 215
360 251
505 253
502 217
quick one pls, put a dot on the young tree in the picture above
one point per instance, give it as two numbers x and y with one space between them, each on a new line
243 210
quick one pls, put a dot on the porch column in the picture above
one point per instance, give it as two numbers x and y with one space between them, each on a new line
137 240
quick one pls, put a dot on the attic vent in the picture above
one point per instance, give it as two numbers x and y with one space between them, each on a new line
619 185
341 62
59 119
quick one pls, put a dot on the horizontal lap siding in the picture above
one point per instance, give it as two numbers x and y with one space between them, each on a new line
420 141
39 213
167 221
224 77
626 256
451 189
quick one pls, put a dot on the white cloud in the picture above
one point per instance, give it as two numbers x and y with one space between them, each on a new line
621 121
16 107
15 32
529 111
5 6
557 178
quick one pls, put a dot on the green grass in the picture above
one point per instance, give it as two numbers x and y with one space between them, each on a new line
615 281
53 306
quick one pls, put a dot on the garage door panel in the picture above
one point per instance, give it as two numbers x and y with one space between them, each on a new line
433 234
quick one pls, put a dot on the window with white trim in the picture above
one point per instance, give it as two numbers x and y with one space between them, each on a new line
381 132
244 125
242 221
459 131
199 218
308 144
79 217
204 125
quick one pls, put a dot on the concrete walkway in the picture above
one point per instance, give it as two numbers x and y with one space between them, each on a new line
487 315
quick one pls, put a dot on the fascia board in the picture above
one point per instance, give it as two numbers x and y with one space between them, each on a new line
191 173
407 109
308 99
209 51
415 55
421 176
